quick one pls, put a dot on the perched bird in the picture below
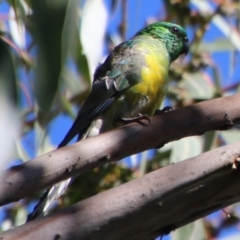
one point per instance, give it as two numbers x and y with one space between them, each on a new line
129 85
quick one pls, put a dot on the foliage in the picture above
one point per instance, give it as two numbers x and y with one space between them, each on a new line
48 53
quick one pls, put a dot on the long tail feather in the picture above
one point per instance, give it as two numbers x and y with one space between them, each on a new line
52 194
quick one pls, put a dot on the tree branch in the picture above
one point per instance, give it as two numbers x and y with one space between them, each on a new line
164 199
20 181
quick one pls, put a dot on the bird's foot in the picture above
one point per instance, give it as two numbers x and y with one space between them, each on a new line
137 119
164 110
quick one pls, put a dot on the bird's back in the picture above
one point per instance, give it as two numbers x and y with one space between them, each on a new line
138 69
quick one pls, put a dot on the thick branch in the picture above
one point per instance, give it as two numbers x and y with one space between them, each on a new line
145 208
18 182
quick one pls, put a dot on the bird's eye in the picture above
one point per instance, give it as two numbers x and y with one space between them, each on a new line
175 30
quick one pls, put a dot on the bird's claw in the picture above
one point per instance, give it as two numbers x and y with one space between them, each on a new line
137 119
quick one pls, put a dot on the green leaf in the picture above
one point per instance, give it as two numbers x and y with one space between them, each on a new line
42 141
230 136
92 37
70 29
185 148
47 32
209 140
16 25
192 231
72 48
73 84
198 85
218 45
9 128
8 80
81 61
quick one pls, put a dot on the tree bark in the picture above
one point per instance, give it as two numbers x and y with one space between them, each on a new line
218 114
152 205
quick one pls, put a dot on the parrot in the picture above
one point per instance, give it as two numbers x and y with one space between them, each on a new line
128 86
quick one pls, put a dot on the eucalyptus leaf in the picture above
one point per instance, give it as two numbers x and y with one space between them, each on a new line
192 231
230 136
209 140
8 81
17 28
218 45
70 29
92 33
9 129
198 85
185 148
72 82
47 32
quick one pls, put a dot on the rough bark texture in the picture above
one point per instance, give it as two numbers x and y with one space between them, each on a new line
18 182
145 208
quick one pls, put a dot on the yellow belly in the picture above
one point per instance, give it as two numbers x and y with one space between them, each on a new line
154 76
146 96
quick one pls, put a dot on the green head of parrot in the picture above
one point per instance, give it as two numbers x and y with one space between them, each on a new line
173 35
